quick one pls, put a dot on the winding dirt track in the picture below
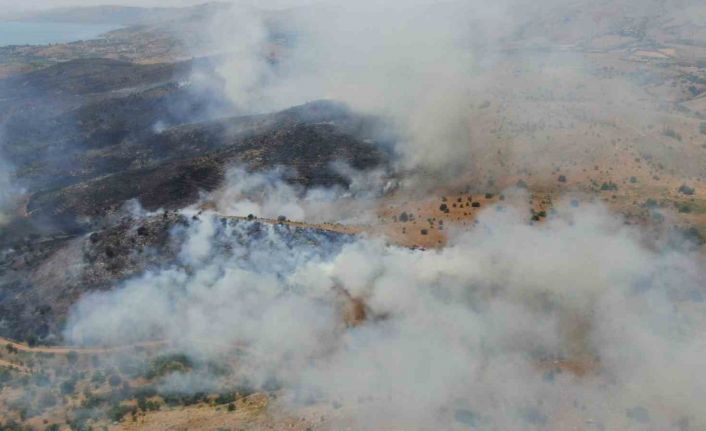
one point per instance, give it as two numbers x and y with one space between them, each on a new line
63 350
7 364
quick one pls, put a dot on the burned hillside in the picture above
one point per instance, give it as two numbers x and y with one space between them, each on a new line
43 277
84 137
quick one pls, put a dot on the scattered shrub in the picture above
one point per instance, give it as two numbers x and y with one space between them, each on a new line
174 399
98 378
650 203
692 234
684 208
146 405
115 380
46 400
92 401
671 133
226 398
118 411
609 186
167 364
68 386
686 190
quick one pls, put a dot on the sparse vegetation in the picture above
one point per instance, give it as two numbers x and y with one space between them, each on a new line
119 410
609 186
686 190
68 386
671 133
115 380
168 364
650 203
684 208
225 398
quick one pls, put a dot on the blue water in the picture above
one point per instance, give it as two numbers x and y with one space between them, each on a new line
43 33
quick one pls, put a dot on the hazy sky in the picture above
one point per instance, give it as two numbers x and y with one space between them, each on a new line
46 4
14 5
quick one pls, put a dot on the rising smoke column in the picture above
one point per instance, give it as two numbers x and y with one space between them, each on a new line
408 62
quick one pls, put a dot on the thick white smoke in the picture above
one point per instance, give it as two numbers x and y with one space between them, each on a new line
267 195
575 323
408 61
429 66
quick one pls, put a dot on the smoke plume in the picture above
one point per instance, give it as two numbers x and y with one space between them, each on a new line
577 322
407 62
267 195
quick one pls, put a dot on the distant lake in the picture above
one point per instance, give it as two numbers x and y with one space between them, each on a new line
43 33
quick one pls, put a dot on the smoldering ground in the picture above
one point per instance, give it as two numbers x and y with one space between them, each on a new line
511 326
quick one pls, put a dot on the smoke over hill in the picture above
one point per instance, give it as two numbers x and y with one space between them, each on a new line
402 215
510 326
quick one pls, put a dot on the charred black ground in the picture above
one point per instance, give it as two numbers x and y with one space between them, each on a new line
88 135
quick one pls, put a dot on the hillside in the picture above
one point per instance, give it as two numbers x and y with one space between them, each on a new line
452 216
